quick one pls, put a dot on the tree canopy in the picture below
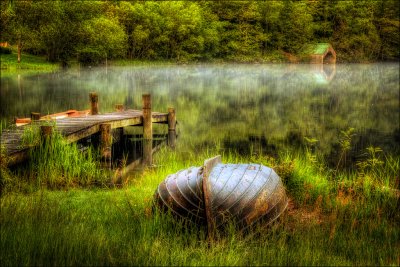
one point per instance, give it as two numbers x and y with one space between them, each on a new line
200 30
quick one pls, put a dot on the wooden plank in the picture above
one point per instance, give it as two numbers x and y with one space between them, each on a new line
207 168
160 118
82 133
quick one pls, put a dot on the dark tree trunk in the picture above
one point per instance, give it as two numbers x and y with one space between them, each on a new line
19 51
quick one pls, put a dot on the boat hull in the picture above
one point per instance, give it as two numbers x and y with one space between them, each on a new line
242 194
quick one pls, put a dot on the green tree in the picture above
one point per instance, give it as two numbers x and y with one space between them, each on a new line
21 27
181 30
62 30
270 22
355 36
387 24
241 36
102 38
296 26
323 13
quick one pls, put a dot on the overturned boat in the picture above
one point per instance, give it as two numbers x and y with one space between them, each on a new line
216 194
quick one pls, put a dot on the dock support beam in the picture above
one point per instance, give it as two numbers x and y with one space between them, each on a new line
171 127
119 132
105 144
94 100
46 131
147 130
35 116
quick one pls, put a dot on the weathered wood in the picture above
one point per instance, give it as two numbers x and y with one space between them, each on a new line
35 116
74 129
94 100
147 119
147 152
85 132
220 194
105 144
171 127
207 167
82 134
46 131
147 130
159 118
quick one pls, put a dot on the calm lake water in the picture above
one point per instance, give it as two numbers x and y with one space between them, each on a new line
243 108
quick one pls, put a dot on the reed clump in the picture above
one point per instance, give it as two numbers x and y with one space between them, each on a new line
54 164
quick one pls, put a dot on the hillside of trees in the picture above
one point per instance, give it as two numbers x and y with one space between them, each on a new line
244 31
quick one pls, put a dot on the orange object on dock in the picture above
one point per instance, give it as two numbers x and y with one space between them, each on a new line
61 115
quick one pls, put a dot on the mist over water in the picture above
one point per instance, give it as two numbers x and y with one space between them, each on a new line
242 108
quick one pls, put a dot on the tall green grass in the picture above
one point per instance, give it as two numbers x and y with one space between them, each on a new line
329 222
335 217
54 164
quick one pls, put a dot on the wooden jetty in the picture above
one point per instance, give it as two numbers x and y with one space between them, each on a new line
75 128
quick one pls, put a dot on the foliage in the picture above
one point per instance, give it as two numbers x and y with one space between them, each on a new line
5 50
202 30
325 220
53 164
103 38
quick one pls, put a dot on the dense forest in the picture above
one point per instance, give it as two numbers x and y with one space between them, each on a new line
246 31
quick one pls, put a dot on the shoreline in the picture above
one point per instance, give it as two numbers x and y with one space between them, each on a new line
32 63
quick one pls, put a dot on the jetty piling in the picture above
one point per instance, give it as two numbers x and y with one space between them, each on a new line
105 144
35 116
171 127
46 131
147 130
94 100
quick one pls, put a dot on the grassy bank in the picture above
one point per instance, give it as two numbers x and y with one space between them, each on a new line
29 63
334 218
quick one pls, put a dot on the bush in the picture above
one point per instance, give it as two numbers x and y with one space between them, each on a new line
5 50
90 57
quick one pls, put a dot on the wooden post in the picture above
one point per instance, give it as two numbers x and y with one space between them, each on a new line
46 132
171 127
35 116
19 50
147 130
94 99
119 107
105 144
